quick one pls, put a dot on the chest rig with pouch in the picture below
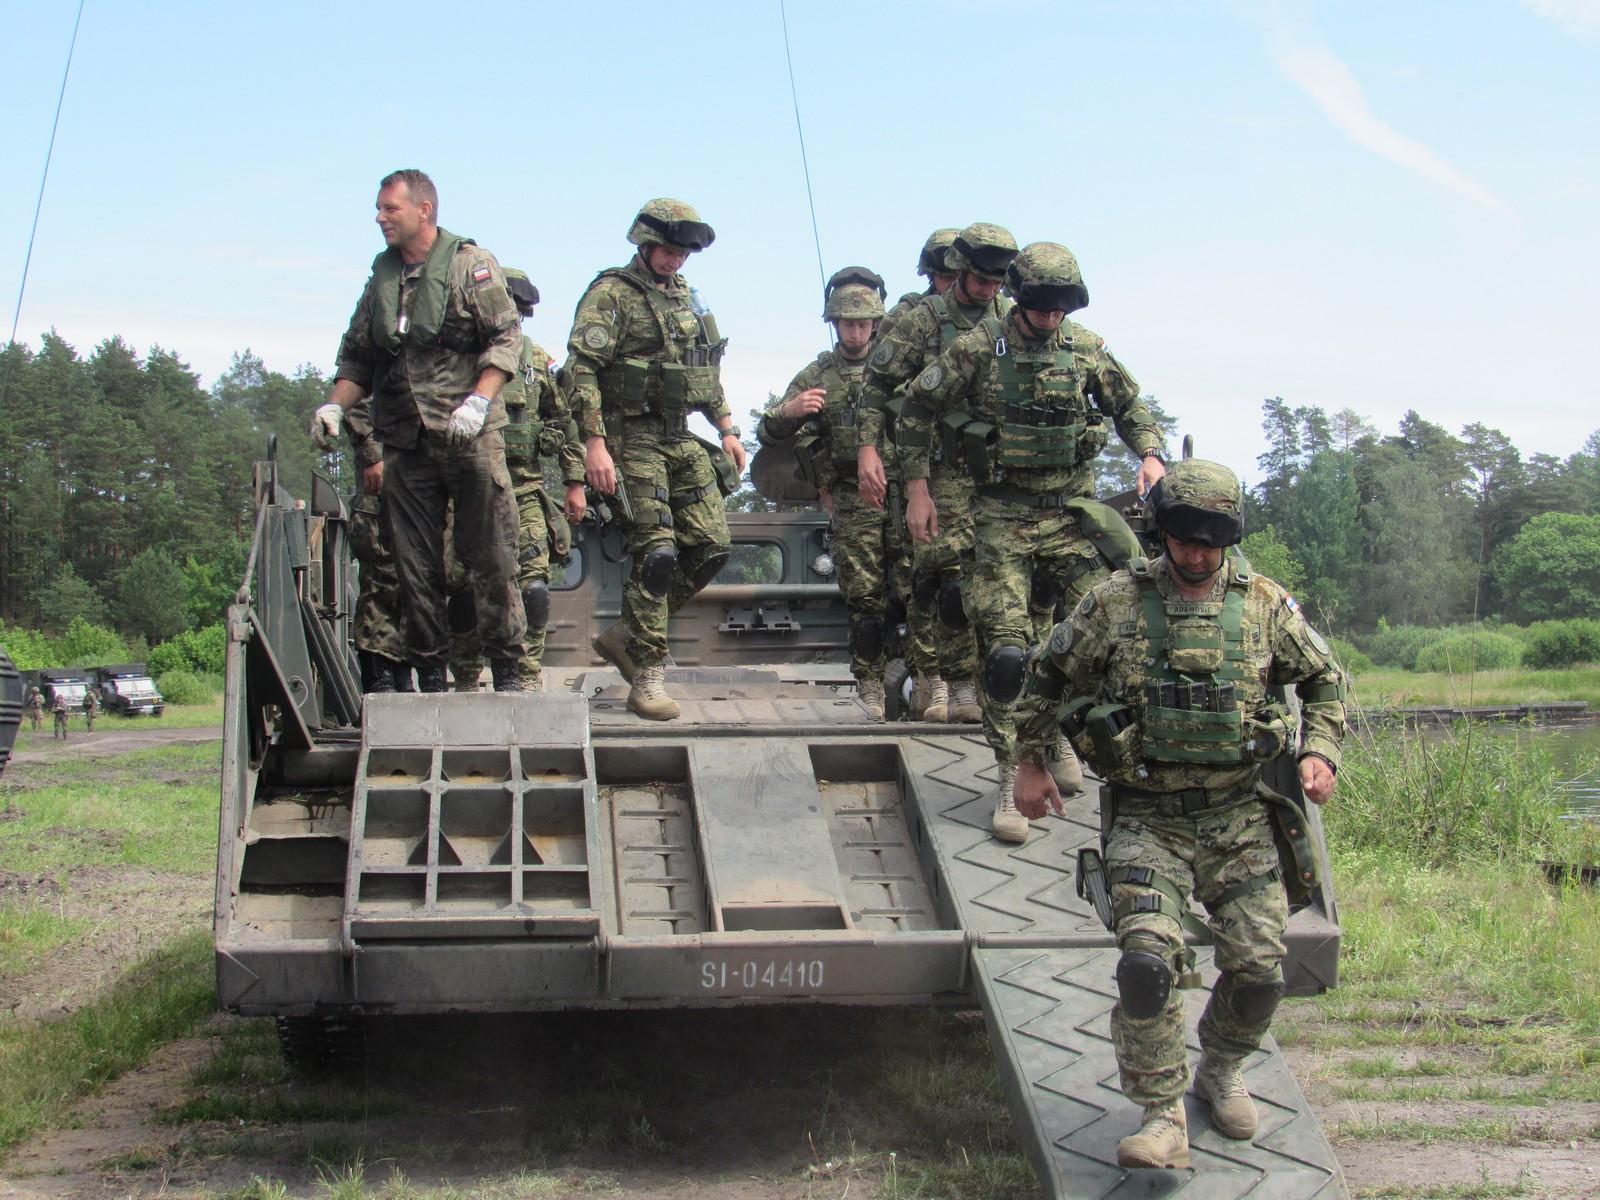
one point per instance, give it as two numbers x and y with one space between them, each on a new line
940 449
683 378
830 436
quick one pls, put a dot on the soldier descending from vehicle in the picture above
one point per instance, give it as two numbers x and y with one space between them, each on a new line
35 706
979 256
1160 677
643 355
820 405
433 339
539 428
1024 400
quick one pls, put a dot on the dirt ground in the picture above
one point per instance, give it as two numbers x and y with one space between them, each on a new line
471 1102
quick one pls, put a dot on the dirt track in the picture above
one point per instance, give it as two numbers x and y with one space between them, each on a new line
107 740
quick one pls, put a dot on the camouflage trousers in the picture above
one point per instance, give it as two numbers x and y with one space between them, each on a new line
950 553
672 490
1207 854
859 535
1017 547
377 615
921 643
533 562
421 487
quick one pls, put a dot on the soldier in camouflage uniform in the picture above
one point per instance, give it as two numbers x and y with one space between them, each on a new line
380 644
643 355
1160 675
1026 398
979 255
91 709
539 428
35 705
433 339
820 405
59 709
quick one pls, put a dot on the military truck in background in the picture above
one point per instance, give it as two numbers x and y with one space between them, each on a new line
471 852
126 690
70 683
12 692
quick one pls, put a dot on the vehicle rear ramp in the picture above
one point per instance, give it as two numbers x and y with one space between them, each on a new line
535 852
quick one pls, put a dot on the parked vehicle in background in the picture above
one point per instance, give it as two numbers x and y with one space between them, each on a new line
71 683
127 690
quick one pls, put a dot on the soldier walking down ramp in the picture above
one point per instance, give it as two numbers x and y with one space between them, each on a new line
433 339
643 355
1160 676
821 405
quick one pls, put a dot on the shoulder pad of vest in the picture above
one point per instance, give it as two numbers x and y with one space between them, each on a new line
1139 568
1242 571
825 359
992 327
936 302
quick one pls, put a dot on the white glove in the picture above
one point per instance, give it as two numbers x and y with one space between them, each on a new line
466 422
325 426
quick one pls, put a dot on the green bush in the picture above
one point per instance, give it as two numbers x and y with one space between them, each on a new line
1399 645
1350 657
1562 643
86 645
196 650
1463 652
28 648
188 687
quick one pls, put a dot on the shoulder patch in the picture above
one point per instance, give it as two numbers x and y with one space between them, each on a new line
481 274
1086 605
930 378
882 354
597 337
1317 640
1061 638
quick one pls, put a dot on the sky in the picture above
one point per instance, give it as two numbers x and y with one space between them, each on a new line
1359 204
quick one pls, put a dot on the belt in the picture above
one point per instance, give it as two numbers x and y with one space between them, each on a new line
1018 496
1184 802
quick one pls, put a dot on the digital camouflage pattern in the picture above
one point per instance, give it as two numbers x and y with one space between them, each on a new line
933 258
1101 652
668 475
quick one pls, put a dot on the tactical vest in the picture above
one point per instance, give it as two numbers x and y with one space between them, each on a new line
833 434
1039 419
683 378
945 448
524 422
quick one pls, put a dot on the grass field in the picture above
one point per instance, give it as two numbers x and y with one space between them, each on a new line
1384 688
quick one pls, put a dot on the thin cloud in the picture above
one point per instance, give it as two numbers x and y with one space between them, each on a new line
1580 18
1298 50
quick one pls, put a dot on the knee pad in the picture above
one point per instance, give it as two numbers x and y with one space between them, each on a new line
895 613
715 558
951 610
1004 669
925 587
866 636
1144 983
536 603
462 612
1252 1002
1042 593
656 569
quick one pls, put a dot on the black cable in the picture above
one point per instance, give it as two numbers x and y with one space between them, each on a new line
783 15
16 317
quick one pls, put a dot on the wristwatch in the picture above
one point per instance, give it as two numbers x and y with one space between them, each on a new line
731 431
1155 454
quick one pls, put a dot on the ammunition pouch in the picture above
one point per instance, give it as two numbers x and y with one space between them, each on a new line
643 388
1024 446
522 433
1112 734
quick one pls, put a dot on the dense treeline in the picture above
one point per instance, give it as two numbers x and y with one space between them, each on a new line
1424 527
125 486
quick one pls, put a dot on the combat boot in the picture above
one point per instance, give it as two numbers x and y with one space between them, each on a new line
964 705
938 709
870 693
1162 1141
430 679
507 674
1066 770
1008 824
648 696
1220 1083
612 645
921 693
532 679
377 673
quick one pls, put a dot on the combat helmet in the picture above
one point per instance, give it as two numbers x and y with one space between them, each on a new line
932 260
522 290
866 292
1045 278
665 222
1200 502
985 250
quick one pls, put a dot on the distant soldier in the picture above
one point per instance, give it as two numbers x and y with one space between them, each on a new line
58 708
820 405
644 354
35 706
91 709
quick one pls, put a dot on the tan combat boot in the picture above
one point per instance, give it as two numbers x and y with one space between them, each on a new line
532 678
964 705
648 696
938 709
612 645
921 693
1008 824
870 693
1066 770
1162 1141
1220 1083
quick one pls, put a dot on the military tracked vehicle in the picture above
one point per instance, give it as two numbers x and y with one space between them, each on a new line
12 692
523 853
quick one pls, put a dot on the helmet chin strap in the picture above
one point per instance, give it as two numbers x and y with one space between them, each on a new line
644 259
1194 577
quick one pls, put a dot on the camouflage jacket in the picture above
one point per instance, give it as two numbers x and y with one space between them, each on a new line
1101 653
615 320
834 426
428 379
967 376
904 346
533 390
